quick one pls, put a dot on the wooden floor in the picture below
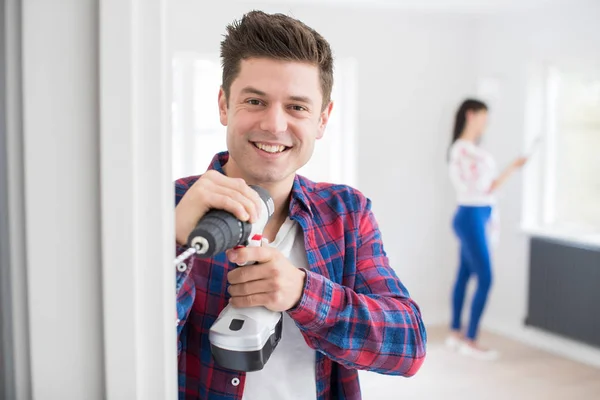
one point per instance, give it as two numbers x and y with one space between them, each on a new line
522 372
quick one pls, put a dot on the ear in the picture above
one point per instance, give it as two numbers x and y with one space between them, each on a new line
323 119
222 107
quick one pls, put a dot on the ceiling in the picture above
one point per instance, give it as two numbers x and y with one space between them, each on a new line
456 6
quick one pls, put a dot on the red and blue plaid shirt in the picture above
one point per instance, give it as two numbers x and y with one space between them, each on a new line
354 311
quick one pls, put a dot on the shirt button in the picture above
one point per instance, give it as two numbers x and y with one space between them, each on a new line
235 381
181 267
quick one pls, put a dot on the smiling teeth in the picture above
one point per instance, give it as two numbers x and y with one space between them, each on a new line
270 148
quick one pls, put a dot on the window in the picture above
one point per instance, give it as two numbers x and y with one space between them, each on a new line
198 134
568 174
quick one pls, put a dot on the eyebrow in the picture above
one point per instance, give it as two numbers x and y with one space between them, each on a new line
301 99
252 90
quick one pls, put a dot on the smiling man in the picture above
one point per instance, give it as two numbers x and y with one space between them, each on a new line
324 265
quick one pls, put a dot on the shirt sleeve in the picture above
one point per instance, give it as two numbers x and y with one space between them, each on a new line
374 326
185 288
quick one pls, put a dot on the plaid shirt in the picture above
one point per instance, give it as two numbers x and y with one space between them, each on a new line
354 310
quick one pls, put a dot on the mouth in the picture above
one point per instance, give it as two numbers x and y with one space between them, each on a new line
271 148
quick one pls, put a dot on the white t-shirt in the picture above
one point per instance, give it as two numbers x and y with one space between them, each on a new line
290 372
472 172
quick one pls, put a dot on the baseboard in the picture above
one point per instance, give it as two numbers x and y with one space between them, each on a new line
548 342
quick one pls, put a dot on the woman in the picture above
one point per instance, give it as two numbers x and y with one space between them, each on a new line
473 174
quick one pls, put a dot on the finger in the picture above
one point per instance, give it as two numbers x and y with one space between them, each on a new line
244 255
240 186
223 202
252 287
250 273
220 184
254 300
247 203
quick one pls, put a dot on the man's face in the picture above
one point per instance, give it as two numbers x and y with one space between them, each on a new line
273 117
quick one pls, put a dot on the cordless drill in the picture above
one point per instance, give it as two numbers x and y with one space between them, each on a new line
241 339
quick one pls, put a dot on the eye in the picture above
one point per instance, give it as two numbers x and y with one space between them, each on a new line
298 108
254 102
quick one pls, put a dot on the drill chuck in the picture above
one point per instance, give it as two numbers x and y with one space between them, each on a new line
218 231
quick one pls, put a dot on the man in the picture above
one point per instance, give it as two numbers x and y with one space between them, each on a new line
325 266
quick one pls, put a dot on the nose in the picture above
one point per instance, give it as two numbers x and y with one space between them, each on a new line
274 120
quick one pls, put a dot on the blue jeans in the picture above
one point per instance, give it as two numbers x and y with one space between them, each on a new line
470 228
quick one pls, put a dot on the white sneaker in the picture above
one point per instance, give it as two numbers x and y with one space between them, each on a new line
453 343
486 355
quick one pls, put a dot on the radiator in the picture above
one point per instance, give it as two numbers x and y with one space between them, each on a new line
564 289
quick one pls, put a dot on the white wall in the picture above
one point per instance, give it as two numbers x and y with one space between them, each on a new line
508 47
60 113
413 69
15 311
98 201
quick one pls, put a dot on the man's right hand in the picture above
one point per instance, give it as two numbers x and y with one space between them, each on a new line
214 190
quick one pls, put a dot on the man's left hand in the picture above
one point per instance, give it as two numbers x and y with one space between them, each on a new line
273 282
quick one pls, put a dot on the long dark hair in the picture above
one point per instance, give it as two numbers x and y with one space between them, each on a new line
461 116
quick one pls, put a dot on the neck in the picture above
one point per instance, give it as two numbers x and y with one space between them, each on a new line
469 135
280 193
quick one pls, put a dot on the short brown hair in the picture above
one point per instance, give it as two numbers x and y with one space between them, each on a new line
278 37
